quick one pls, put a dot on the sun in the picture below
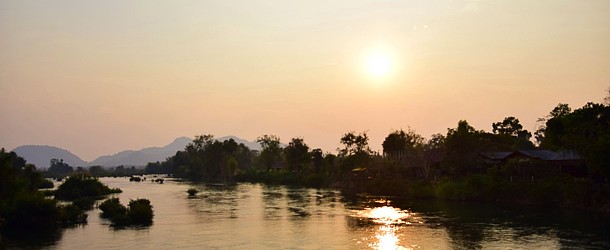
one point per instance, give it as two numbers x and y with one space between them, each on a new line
378 64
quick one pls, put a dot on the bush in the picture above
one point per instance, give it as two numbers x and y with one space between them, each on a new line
192 191
79 186
111 208
44 183
139 212
27 211
71 214
85 203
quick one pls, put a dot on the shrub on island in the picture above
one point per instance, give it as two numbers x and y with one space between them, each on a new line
138 212
79 186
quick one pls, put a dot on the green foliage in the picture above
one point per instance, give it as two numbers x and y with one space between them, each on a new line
285 178
473 187
79 186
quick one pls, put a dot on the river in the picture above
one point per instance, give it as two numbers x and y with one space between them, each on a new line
256 216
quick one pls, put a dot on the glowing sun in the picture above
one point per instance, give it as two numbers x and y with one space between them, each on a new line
378 64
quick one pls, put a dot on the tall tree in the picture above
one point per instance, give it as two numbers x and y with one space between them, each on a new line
401 142
511 126
58 166
585 130
437 141
271 150
463 146
296 154
317 158
561 110
355 144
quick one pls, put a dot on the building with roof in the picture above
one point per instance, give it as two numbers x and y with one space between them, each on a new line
566 161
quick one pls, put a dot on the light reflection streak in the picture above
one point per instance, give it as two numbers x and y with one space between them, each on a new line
391 219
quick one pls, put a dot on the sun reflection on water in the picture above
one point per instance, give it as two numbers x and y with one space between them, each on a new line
387 238
385 215
391 220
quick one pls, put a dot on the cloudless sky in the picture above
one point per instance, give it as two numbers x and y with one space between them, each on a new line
97 77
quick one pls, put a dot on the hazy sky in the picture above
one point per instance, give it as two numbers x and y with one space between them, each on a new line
96 77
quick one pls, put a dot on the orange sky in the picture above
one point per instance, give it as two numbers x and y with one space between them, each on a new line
97 77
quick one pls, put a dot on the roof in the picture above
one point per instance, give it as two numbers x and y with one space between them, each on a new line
542 154
496 155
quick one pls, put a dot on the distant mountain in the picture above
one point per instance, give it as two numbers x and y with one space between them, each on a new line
153 154
253 145
41 155
143 156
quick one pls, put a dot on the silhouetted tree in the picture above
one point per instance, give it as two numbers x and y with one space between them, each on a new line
437 141
560 110
356 152
463 146
271 151
401 142
511 126
21 205
508 135
585 130
355 144
317 158
60 167
296 154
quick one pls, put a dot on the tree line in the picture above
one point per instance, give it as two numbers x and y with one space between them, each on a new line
585 131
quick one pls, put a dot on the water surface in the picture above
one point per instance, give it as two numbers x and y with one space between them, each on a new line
255 216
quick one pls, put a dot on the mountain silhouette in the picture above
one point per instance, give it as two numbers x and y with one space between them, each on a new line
143 156
41 155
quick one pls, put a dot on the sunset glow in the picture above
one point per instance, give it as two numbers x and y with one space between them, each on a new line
98 77
274 124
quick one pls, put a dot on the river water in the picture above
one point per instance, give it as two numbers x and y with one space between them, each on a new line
256 216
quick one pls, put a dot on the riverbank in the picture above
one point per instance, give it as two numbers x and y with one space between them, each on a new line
564 192
559 191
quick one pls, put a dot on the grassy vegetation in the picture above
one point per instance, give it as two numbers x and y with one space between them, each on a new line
557 191
285 178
